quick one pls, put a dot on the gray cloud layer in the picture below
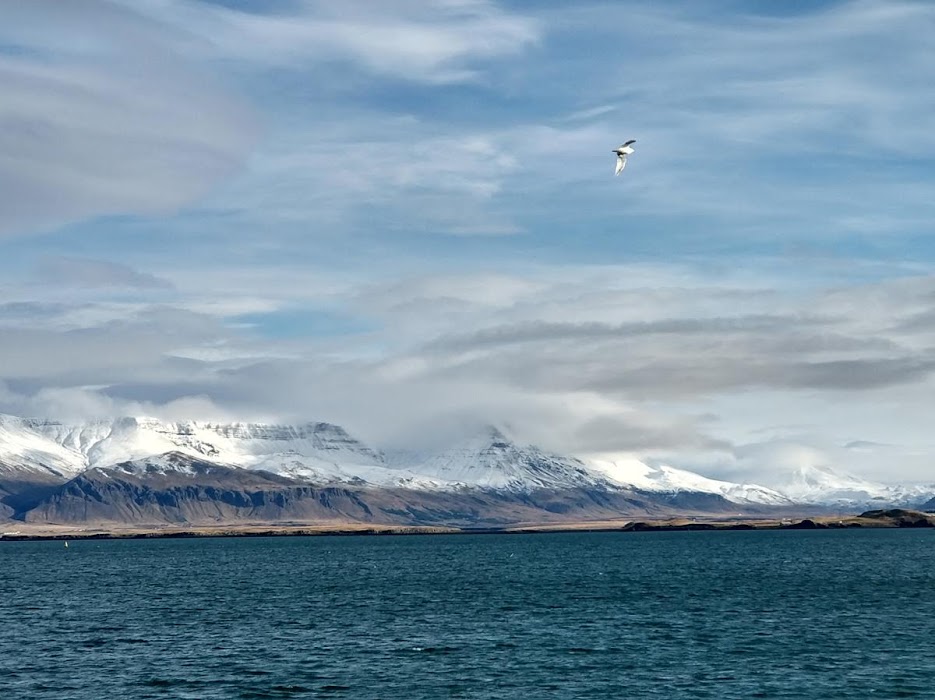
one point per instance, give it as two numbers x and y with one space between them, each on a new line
100 116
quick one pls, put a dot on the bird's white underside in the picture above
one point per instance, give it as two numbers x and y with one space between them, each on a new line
622 152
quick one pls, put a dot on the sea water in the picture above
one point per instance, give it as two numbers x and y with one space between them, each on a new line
765 614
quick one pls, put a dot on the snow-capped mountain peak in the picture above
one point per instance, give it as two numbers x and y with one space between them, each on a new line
22 449
823 485
72 448
490 459
634 473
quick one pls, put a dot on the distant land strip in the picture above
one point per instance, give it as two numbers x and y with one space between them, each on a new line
893 518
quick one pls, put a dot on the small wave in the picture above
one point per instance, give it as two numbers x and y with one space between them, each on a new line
434 650
290 689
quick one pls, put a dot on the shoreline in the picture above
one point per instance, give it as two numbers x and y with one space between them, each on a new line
895 518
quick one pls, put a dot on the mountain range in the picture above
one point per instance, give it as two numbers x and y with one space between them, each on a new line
145 471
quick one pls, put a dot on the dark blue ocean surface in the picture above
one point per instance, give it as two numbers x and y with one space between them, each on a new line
805 615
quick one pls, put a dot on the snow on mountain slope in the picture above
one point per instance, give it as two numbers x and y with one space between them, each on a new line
316 470
21 449
491 460
313 452
244 444
101 443
168 463
822 485
633 473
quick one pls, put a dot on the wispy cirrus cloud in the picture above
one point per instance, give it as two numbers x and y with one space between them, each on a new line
434 43
345 177
101 117
753 125
153 126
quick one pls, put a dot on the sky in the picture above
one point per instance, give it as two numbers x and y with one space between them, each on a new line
402 217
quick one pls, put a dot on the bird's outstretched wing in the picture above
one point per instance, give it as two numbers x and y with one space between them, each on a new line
621 163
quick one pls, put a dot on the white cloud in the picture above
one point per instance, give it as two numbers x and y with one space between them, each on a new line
434 43
393 176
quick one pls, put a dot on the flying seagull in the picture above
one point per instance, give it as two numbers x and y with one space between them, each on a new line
622 153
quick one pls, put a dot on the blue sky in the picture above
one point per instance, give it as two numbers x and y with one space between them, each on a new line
402 217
